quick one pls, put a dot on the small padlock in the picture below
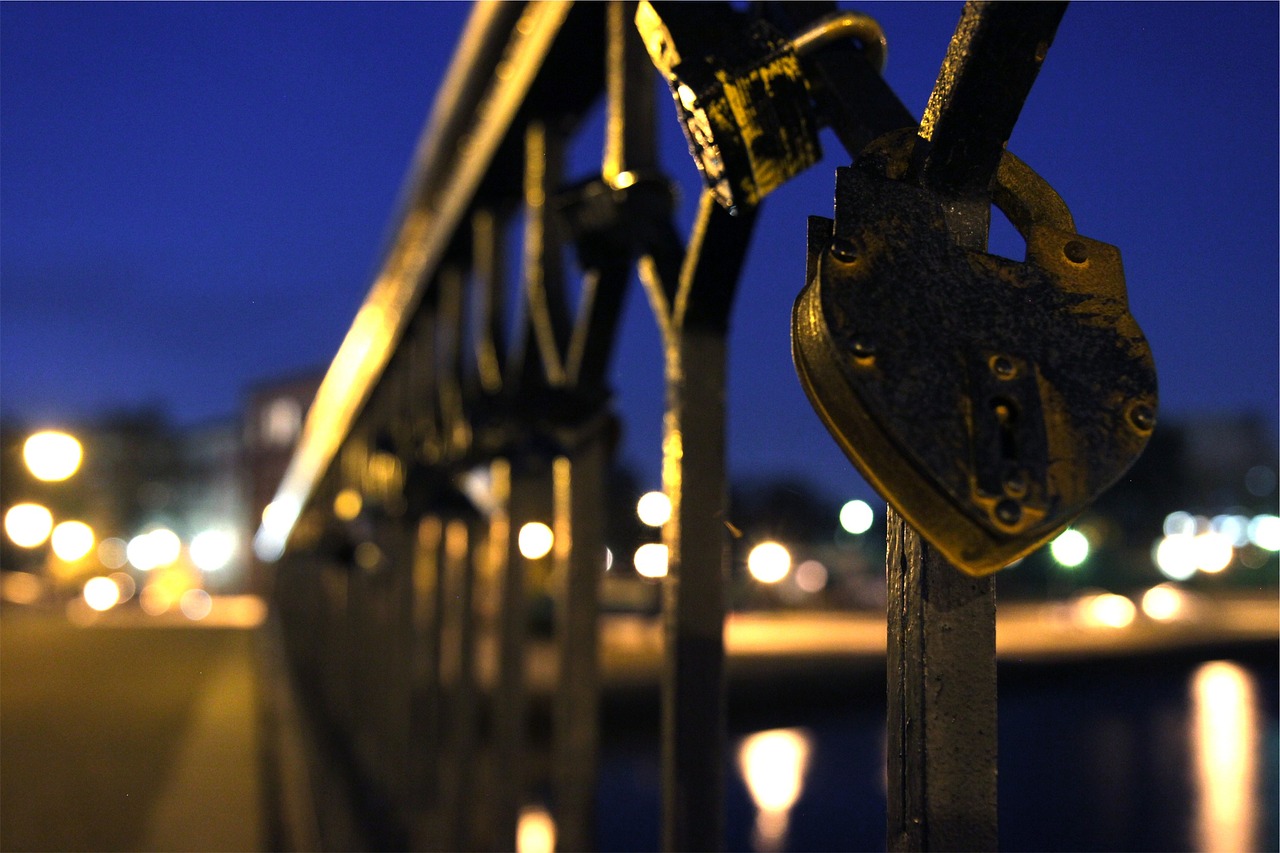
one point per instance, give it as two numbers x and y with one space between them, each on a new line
988 400
740 93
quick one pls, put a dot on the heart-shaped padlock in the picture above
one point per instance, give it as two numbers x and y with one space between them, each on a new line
988 400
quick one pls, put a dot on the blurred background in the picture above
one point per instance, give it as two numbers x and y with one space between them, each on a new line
194 199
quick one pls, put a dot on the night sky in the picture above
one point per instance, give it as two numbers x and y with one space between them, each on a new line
196 197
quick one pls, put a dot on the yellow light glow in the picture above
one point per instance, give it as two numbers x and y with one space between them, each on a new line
654 508
126 584
535 831
774 764
535 540
1264 531
347 505
113 553
159 547
856 517
212 550
1163 603
101 593
651 560
71 540
21 587
1213 552
1224 738
52 456
368 556
769 562
1107 611
1070 548
28 525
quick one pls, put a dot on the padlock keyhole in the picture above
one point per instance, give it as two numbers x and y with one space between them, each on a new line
1006 412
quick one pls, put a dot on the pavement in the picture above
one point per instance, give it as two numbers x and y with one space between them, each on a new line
128 734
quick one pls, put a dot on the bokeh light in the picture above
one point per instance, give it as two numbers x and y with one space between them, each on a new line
856 516
1070 548
535 831
71 540
195 604
113 553
769 562
535 540
101 593
1163 603
1175 556
1212 552
1264 531
651 560
52 456
347 505
28 525
212 550
159 547
654 508
1107 610
812 576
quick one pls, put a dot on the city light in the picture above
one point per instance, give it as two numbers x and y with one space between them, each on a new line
1070 548
535 831
159 547
1163 603
28 525
535 540
52 456
195 604
812 576
101 593
71 540
113 553
1212 552
347 505
774 764
1264 531
1175 557
654 508
856 517
651 560
1107 610
769 562
1179 523
212 550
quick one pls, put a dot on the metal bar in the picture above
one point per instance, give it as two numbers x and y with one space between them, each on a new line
425 659
457 674
508 711
579 496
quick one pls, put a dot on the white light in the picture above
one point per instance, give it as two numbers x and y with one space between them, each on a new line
71 540
195 604
769 562
1175 556
651 560
1179 523
654 508
112 553
160 547
52 456
1264 531
101 593
212 550
856 517
535 831
608 559
1070 548
811 576
1234 527
28 525
535 540
1213 552
1163 603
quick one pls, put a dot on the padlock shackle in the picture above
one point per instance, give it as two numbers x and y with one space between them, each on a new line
842 25
1026 199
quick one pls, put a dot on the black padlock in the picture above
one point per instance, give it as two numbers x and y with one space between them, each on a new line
989 400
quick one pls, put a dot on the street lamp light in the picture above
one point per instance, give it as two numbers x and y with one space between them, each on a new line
52 456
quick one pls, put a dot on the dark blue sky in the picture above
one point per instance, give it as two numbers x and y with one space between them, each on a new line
194 197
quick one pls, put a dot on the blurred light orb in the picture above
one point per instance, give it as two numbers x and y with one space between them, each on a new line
128 586
52 456
347 505
212 550
195 604
1107 610
1213 552
769 562
28 525
1234 527
159 547
113 553
21 587
368 556
101 593
535 831
71 540
856 517
1179 523
654 508
651 560
535 540
1264 531
1070 548
812 576
1163 603
1175 556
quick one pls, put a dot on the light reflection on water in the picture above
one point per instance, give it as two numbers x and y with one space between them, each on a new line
1226 738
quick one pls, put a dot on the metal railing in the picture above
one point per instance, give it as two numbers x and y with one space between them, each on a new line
439 433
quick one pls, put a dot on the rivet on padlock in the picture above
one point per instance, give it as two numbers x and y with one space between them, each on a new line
739 91
999 397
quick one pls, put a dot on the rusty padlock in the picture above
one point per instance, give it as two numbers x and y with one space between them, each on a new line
988 400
